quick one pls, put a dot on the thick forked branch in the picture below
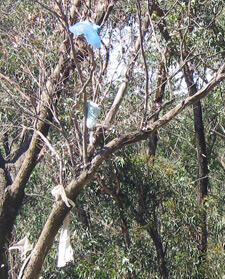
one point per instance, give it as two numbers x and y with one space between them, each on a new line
59 210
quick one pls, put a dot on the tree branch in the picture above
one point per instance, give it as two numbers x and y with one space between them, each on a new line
60 210
123 87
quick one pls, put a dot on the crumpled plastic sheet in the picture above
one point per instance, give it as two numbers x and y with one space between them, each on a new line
93 112
23 246
89 30
59 192
65 250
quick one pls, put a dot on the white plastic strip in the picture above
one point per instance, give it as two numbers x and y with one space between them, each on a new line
65 250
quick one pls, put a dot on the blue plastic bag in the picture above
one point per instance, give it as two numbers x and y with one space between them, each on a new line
89 30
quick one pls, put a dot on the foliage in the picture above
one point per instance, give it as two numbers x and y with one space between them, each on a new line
133 195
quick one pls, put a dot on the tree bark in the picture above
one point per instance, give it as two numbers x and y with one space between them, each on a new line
59 211
160 89
202 184
14 194
15 174
153 232
152 147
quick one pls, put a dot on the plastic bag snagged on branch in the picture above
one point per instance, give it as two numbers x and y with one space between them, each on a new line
59 191
23 246
89 30
93 112
65 250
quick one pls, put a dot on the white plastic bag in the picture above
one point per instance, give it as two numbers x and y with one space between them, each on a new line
65 250
93 112
59 191
23 246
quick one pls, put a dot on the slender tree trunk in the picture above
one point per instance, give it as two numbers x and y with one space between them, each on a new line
202 186
156 238
160 252
152 147
160 89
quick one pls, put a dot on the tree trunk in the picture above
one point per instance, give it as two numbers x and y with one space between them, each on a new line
153 232
73 189
3 255
160 89
152 146
202 185
3 263
155 236
14 175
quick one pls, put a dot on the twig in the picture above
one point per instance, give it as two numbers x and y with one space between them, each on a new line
60 18
85 128
77 133
49 145
217 133
14 85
